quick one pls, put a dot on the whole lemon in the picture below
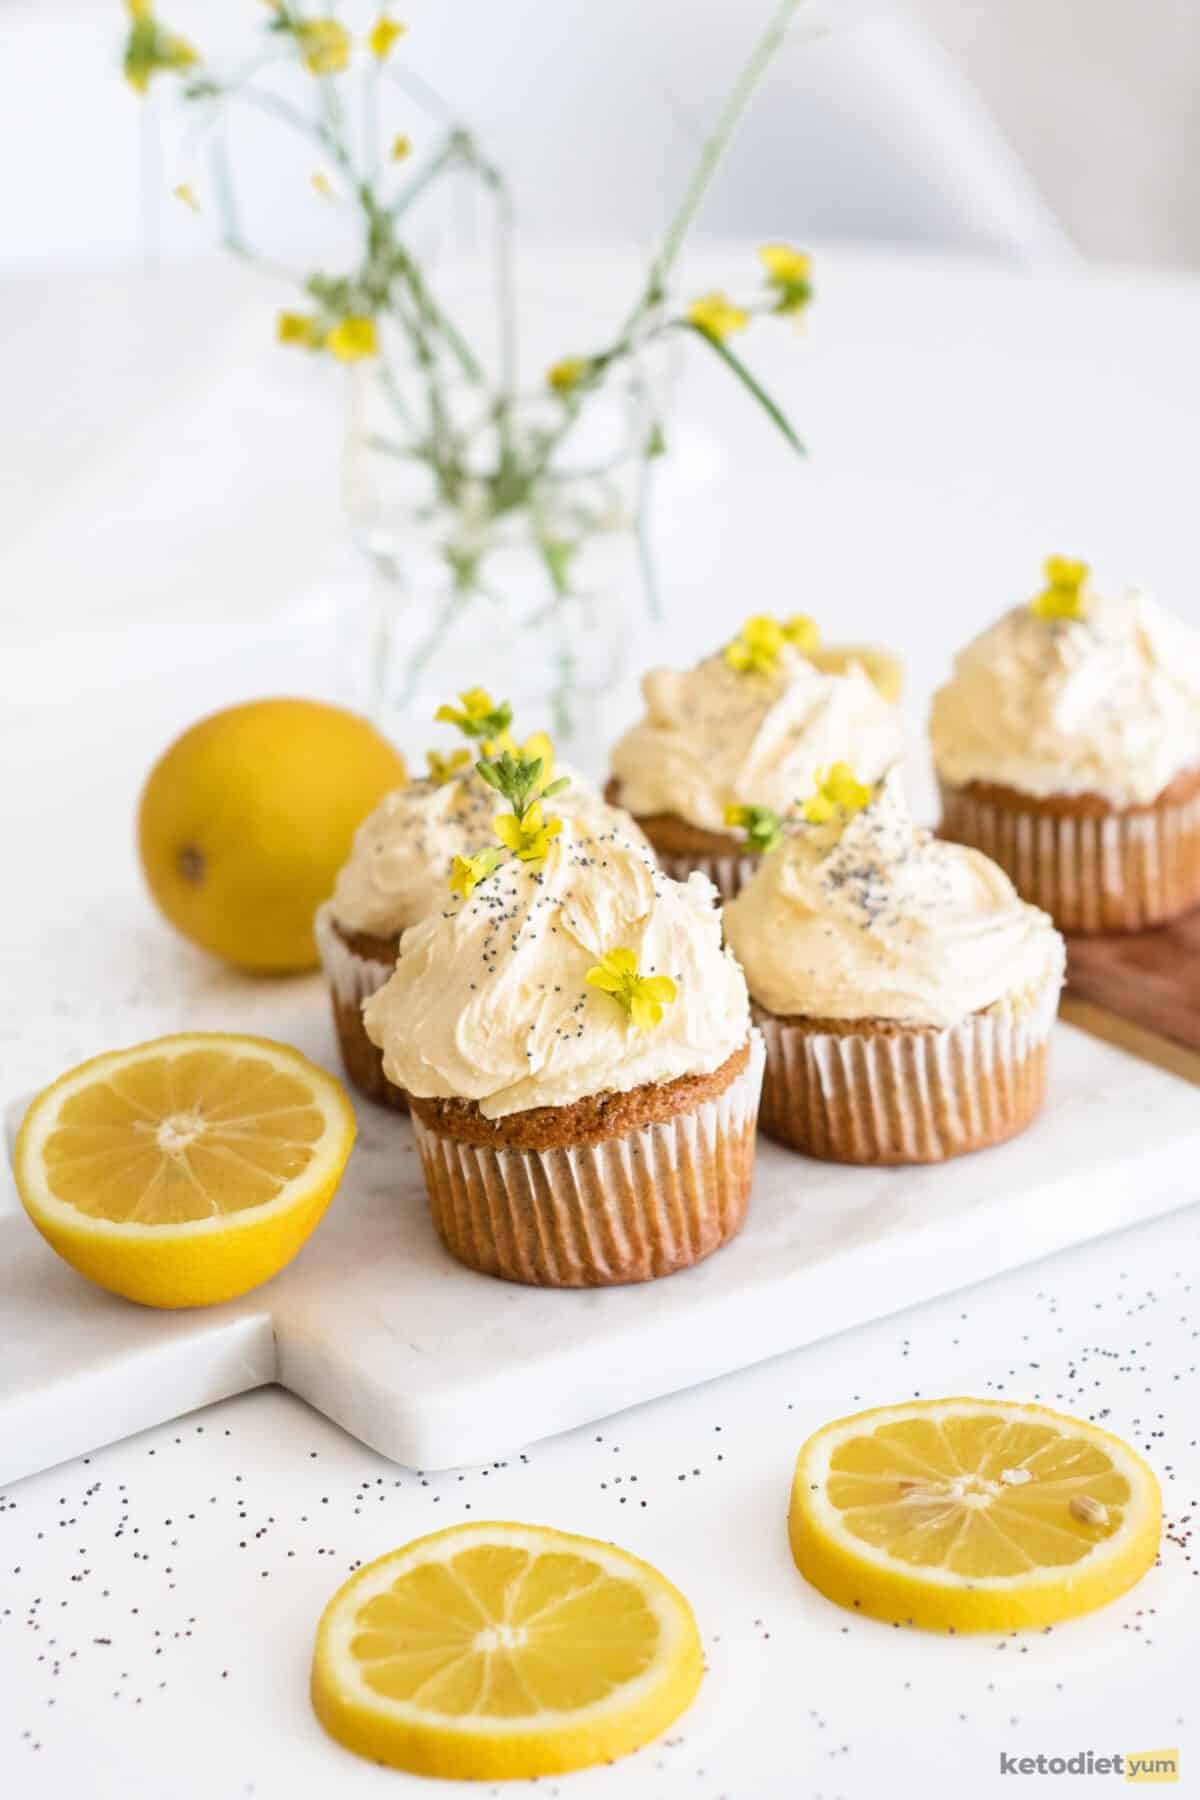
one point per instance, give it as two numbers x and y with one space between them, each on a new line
246 819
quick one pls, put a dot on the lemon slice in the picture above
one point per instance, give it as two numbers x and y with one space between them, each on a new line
186 1170
882 669
493 1651
972 1515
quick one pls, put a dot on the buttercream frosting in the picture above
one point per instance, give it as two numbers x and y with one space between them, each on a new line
713 737
403 851
872 917
489 999
1107 703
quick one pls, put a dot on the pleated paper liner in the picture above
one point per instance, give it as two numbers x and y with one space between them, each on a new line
728 874
352 979
1091 867
876 1093
643 1203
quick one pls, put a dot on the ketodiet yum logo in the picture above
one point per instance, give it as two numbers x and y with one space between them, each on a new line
1126 1765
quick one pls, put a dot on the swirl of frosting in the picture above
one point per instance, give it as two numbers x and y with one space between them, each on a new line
403 851
713 737
489 999
875 918
1106 704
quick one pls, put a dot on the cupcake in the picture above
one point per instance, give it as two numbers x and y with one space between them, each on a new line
905 992
397 870
575 1042
747 727
1067 745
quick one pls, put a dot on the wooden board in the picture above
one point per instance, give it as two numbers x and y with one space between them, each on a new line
1150 978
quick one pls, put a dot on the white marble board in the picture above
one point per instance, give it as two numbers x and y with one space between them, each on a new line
376 1326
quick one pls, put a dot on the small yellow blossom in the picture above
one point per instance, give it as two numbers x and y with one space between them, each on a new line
185 193
762 825
152 49
566 374
801 633
322 184
299 328
324 45
353 338
479 717
528 837
445 768
1065 595
756 648
788 274
536 748
716 315
837 790
401 146
468 871
383 35
642 997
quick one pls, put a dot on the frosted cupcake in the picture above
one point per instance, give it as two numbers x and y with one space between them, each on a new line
575 1042
398 867
906 993
1067 745
749 725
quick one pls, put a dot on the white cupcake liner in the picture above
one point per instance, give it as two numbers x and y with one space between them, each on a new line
907 1096
1114 871
729 874
644 1203
352 977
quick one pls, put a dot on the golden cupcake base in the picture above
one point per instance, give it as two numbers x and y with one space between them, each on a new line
357 967
648 1200
1093 867
873 1092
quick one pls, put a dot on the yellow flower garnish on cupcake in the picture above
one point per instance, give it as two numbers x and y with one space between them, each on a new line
755 650
468 871
716 316
838 792
444 768
1065 595
643 997
529 836
479 716
801 633
762 825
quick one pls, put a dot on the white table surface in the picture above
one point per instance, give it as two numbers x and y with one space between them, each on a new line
166 521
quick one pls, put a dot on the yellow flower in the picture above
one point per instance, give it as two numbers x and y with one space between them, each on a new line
445 768
401 146
324 45
643 997
185 193
716 315
322 184
801 633
353 338
837 791
151 49
529 838
534 748
788 273
383 35
1065 595
480 716
756 648
299 328
565 375
762 825
468 871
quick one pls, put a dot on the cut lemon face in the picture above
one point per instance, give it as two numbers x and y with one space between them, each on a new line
187 1170
972 1515
494 1651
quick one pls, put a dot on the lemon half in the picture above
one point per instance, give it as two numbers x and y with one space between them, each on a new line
186 1170
496 1651
972 1515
